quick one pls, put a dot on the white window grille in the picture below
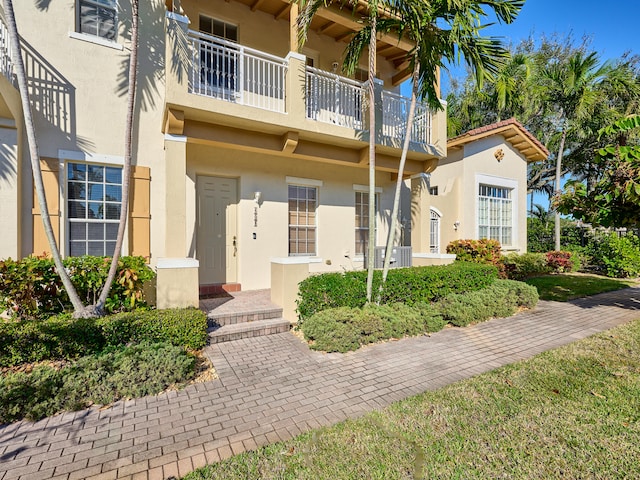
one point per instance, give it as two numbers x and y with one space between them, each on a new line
99 18
303 202
495 214
94 200
362 221
434 232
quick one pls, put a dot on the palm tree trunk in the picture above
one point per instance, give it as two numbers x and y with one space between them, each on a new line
372 156
396 199
18 65
126 171
558 188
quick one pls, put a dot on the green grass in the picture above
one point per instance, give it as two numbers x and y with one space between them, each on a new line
569 413
574 285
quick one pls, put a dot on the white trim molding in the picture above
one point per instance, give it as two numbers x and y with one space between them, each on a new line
364 188
78 156
295 260
85 37
307 182
175 138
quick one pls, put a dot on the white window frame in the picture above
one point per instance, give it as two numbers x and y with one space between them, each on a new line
87 36
500 182
365 189
434 214
305 183
70 156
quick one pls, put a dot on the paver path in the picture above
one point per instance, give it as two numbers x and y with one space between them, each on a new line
272 388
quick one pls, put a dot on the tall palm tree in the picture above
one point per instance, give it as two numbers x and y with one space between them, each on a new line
18 67
440 30
571 89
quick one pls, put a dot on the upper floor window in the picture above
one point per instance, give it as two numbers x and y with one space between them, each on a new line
99 18
218 28
495 213
94 200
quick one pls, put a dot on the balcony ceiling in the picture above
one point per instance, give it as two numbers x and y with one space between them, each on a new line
339 24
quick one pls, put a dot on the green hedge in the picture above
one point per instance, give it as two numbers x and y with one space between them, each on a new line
30 288
65 338
404 285
126 372
348 328
519 267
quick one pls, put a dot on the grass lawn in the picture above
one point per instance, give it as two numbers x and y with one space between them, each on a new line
569 413
568 286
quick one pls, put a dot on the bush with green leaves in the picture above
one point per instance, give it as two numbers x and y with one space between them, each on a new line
501 299
404 285
31 288
519 267
616 256
126 372
64 338
483 251
345 328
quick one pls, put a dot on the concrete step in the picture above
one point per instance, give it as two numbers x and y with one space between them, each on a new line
256 328
221 319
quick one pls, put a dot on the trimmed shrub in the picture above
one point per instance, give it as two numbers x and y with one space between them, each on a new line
179 327
431 316
127 372
65 338
616 256
559 261
501 299
332 330
404 285
527 265
483 251
30 288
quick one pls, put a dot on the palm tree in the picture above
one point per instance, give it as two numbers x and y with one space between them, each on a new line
440 30
18 66
80 310
571 89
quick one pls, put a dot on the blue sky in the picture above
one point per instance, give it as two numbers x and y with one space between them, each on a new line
612 25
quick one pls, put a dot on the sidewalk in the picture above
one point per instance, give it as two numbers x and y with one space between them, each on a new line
272 388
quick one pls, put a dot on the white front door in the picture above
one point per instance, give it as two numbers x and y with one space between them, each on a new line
217 246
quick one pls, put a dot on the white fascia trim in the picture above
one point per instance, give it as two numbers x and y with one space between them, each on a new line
421 175
295 260
178 18
365 188
434 255
85 37
311 182
175 138
169 263
76 155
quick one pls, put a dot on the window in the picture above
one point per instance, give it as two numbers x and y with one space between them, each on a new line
495 213
99 18
303 202
219 60
94 199
362 221
434 232
433 191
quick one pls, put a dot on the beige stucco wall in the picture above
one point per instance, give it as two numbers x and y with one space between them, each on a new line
83 105
267 174
458 176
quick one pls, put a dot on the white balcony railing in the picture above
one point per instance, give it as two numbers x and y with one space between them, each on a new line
395 110
6 67
334 99
231 72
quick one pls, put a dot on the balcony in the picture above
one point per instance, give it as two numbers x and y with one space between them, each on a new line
225 83
6 67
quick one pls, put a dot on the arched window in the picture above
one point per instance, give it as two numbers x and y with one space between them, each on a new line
434 237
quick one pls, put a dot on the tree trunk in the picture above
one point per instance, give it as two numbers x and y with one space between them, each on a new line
558 187
18 66
393 227
371 247
126 171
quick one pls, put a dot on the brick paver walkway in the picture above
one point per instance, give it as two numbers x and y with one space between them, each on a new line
272 388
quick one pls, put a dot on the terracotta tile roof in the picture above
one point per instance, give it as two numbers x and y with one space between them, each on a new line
510 124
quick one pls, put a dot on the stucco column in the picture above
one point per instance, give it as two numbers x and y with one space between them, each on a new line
177 280
10 197
439 130
420 214
296 87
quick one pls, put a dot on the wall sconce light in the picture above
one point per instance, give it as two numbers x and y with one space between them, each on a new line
456 224
257 196
334 67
